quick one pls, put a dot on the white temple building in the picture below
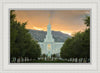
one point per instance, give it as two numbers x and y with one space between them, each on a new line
49 46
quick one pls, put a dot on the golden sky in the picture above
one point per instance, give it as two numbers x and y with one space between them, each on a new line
66 21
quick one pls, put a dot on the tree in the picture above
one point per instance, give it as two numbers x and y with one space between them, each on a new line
21 43
53 56
77 46
44 56
87 20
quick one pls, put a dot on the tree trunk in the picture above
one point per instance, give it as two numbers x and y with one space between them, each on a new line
16 60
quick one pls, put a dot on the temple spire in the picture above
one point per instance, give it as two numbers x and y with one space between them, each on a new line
49 18
49 37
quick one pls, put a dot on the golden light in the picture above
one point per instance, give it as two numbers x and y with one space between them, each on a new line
49 46
36 28
66 32
66 21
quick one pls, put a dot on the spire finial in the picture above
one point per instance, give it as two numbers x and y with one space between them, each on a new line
49 18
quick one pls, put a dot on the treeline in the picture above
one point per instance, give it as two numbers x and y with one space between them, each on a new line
46 58
21 43
78 46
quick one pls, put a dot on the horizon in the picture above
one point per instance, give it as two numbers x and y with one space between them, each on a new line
51 31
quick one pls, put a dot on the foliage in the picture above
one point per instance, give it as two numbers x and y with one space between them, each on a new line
44 55
53 55
21 43
87 20
77 46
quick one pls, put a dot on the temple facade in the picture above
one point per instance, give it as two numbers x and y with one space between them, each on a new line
49 46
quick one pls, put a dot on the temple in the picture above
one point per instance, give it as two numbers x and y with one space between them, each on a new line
49 46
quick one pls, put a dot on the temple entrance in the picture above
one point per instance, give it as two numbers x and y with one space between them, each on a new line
49 50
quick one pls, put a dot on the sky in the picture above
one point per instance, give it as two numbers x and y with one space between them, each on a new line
66 21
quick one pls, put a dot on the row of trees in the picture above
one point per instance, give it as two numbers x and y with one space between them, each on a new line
21 43
78 46
45 57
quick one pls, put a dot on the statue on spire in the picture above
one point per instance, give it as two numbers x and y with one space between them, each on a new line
49 17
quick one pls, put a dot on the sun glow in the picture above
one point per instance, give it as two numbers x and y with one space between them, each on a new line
66 32
37 28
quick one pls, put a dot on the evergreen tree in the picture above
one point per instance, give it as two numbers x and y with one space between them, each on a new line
78 46
21 43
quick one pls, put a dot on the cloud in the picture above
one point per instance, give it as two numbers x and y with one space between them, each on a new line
61 20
